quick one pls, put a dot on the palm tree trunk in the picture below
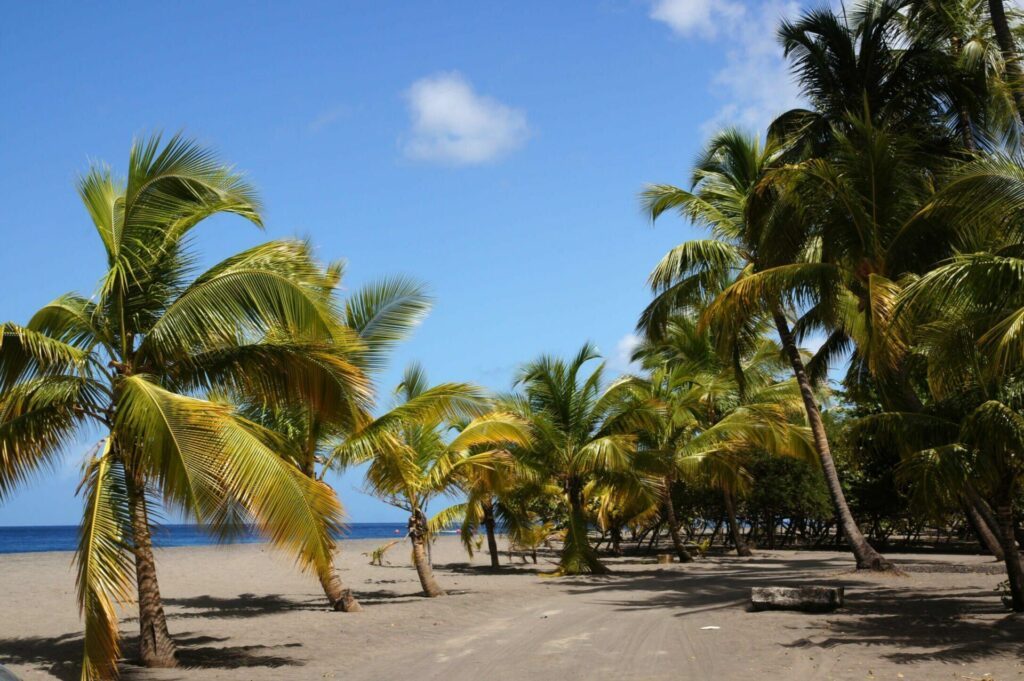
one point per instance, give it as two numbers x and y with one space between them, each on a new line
1006 45
341 598
983 508
734 528
1011 557
988 539
616 540
418 535
578 556
867 557
156 647
492 541
673 523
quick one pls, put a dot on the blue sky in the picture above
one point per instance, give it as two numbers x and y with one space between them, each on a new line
492 150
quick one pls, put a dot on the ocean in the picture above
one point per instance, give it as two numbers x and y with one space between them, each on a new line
65 537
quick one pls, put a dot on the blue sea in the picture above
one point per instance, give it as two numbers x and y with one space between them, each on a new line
65 537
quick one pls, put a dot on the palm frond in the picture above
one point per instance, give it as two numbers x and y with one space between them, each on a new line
105 568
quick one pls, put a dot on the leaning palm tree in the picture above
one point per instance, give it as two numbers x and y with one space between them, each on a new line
575 443
135 362
412 462
380 315
729 199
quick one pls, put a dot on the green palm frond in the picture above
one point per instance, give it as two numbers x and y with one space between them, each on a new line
105 567
447 518
39 420
493 429
27 354
285 371
384 313
274 286
206 457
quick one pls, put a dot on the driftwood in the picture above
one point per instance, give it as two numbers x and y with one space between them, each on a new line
803 598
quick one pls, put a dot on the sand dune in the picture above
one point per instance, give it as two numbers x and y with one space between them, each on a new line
242 612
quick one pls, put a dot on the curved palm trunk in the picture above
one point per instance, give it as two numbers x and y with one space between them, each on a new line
867 557
673 524
418 535
156 647
988 539
492 540
1011 557
1006 45
734 528
983 509
341 598
578 556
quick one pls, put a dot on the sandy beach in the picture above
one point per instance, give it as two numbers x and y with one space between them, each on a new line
242 612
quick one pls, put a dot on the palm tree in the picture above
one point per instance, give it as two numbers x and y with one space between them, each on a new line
379 315
713 415
576 443
965 314
506 493
978 97
494 493
969 438
1011 60
729 199
412 463
134 362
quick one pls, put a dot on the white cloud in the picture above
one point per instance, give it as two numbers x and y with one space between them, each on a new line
687 17
453 124
621 361
754 84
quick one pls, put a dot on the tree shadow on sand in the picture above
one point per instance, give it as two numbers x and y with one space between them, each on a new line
243 605
940 624
196 652
504 569
946 625
699 587
61 656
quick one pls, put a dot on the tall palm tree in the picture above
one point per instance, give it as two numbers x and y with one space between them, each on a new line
576 442
413 463
1011 59
380 315
135 361
860 61
978 95
728 199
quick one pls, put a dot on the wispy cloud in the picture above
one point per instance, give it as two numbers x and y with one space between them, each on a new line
325 119
453 124
754 85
